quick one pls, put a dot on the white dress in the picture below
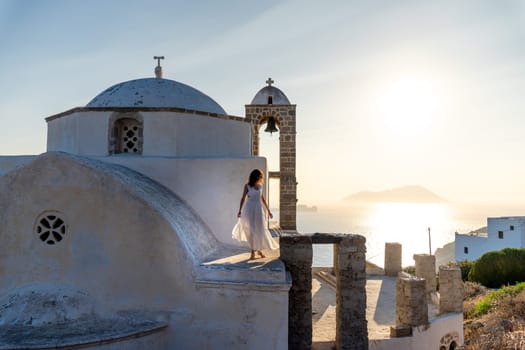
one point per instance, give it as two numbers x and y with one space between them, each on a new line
251 226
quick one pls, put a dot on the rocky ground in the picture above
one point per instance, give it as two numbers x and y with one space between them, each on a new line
502 327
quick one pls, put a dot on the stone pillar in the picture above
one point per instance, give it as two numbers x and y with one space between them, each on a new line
287 158
450 290
426 268
336 259
352 331
411 301
393 259
296 252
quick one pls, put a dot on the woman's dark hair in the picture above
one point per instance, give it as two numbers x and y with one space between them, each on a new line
255 176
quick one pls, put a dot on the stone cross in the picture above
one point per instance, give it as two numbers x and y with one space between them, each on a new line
158 58
158 69
270 81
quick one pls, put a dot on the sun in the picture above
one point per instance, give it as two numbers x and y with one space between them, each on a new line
408 105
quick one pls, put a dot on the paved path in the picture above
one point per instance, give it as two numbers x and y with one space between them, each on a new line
380 311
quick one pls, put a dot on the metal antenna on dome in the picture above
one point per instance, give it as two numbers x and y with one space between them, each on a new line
158 69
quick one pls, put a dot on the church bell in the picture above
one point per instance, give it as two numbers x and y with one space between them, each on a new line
270 126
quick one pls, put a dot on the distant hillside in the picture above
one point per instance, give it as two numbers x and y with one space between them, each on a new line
408 194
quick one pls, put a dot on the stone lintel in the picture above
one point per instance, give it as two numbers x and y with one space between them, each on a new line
294 238
345 239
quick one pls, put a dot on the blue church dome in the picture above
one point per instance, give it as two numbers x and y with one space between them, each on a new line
156 92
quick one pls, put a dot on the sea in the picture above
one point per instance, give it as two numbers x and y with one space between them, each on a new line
420 227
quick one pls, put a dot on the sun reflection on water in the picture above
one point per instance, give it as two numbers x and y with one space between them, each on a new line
405 223
408 224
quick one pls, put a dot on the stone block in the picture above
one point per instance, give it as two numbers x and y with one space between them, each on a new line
426 268
451 290
400 331
393 259
411 301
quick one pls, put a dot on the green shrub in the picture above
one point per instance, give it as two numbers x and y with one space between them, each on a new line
491 299
499 268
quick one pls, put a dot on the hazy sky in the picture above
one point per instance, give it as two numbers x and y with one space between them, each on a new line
388 93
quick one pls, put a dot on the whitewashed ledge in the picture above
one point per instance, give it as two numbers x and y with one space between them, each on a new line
238 272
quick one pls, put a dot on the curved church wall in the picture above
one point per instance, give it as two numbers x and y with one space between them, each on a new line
114 244
9 163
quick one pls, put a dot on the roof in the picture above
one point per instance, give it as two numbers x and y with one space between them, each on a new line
278 97
156 92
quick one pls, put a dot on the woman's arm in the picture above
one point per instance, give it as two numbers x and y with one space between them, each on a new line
266 206
244 193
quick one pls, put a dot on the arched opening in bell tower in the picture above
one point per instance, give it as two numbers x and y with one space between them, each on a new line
269 148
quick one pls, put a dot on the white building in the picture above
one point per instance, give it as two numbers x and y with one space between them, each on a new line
502 232
119 236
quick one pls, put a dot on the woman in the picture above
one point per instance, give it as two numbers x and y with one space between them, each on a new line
251 226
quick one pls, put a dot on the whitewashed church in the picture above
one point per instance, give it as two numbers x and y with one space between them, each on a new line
119 236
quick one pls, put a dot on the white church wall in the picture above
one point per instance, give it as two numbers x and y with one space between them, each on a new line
157 341
211 186
230 318
165 134
439 332
62 134
83 133
192 135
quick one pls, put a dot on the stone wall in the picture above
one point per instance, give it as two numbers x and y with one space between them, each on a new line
296 252
450 290
352 331
393 259
426 268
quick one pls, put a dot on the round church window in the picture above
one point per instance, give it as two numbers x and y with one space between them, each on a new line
50 227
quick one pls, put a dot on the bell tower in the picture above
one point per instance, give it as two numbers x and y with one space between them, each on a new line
270 106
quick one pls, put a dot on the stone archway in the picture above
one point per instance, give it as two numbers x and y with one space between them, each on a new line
351 324
284 116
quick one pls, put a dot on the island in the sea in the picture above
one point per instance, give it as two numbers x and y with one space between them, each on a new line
406 194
